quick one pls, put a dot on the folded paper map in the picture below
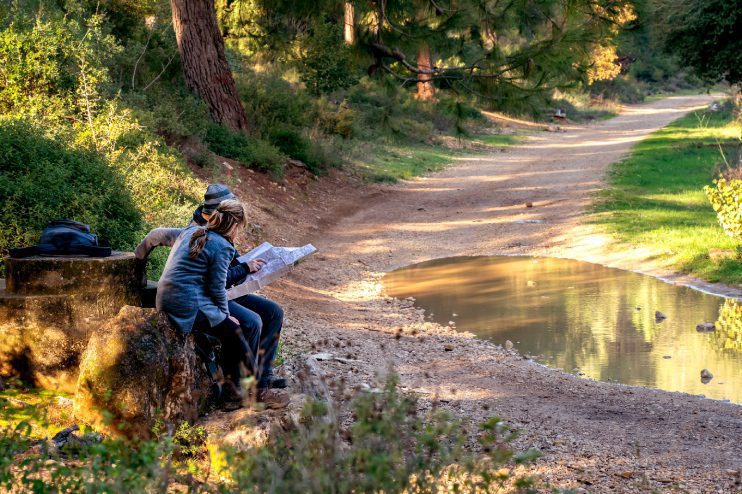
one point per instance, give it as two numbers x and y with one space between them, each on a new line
279 261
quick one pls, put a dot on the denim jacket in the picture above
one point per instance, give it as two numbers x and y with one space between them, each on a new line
166 237
188 286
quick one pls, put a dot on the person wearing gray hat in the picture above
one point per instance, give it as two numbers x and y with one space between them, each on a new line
215 194
261 320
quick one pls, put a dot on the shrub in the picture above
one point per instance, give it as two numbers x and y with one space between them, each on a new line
622 88
390 446
728 334
726 199
270 100
292 143
250 151
42 179
325 63
334 119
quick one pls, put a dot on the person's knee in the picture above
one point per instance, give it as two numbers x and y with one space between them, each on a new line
250 322
276 312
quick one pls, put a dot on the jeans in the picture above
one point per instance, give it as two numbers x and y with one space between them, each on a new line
235 348
261 321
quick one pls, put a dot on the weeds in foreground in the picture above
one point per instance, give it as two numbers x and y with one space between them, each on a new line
390 446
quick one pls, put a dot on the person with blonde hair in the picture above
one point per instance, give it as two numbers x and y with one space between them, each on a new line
192 292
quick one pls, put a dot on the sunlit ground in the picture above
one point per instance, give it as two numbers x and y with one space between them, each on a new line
656 201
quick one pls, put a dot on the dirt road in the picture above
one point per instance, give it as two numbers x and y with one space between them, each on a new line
595 436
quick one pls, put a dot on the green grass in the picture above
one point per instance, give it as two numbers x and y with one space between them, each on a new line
394 162
655 200
680 92
38 407
499 140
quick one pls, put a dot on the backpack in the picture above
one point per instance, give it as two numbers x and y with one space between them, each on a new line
64 237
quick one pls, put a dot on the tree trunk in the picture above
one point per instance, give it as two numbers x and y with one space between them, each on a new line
425 87
350 23
205 66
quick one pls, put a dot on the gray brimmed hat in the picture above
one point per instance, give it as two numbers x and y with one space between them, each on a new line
215 194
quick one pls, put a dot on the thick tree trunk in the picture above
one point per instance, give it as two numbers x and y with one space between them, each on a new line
205 66
350 23
425 87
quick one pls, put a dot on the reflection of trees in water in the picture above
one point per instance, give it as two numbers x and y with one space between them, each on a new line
621 336
728 334
584 315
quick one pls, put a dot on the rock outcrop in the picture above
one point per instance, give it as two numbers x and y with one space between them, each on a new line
137 371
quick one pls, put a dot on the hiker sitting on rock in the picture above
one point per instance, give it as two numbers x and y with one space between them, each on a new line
261 319
192 291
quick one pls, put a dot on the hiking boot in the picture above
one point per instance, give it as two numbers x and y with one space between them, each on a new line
231 398
272 398
273 382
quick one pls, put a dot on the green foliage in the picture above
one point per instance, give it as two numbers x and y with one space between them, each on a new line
42 179
190 440
622 89
292 143
656 202
325 62
248 150
726 198
706 35
91 153
391 446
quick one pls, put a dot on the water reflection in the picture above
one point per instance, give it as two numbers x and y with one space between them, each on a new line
576 315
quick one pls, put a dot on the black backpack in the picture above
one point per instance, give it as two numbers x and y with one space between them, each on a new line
65 237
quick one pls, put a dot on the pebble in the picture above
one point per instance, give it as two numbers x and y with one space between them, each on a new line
508 345
706 327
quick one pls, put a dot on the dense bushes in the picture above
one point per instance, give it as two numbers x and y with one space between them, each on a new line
728 334
91 154
239 146
726 194
42 179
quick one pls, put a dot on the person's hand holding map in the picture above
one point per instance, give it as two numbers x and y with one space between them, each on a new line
267 264
256 264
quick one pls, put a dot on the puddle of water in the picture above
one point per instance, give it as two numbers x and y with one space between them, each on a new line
586 318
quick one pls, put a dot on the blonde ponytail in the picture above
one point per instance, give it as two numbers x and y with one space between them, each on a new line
228 214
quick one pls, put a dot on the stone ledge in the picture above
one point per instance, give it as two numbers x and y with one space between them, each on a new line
65 275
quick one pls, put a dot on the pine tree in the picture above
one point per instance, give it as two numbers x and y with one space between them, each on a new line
205 65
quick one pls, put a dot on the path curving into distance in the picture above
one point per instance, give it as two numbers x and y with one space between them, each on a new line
596 436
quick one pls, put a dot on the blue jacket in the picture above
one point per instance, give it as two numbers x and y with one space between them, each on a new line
188 286
167 237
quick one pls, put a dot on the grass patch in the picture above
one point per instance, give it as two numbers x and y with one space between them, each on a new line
680 92
656 199
46 412
499 140
391 162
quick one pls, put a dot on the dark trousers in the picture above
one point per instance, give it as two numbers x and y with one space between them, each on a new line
235 348
261 321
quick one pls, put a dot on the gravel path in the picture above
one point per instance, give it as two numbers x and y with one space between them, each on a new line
600 437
